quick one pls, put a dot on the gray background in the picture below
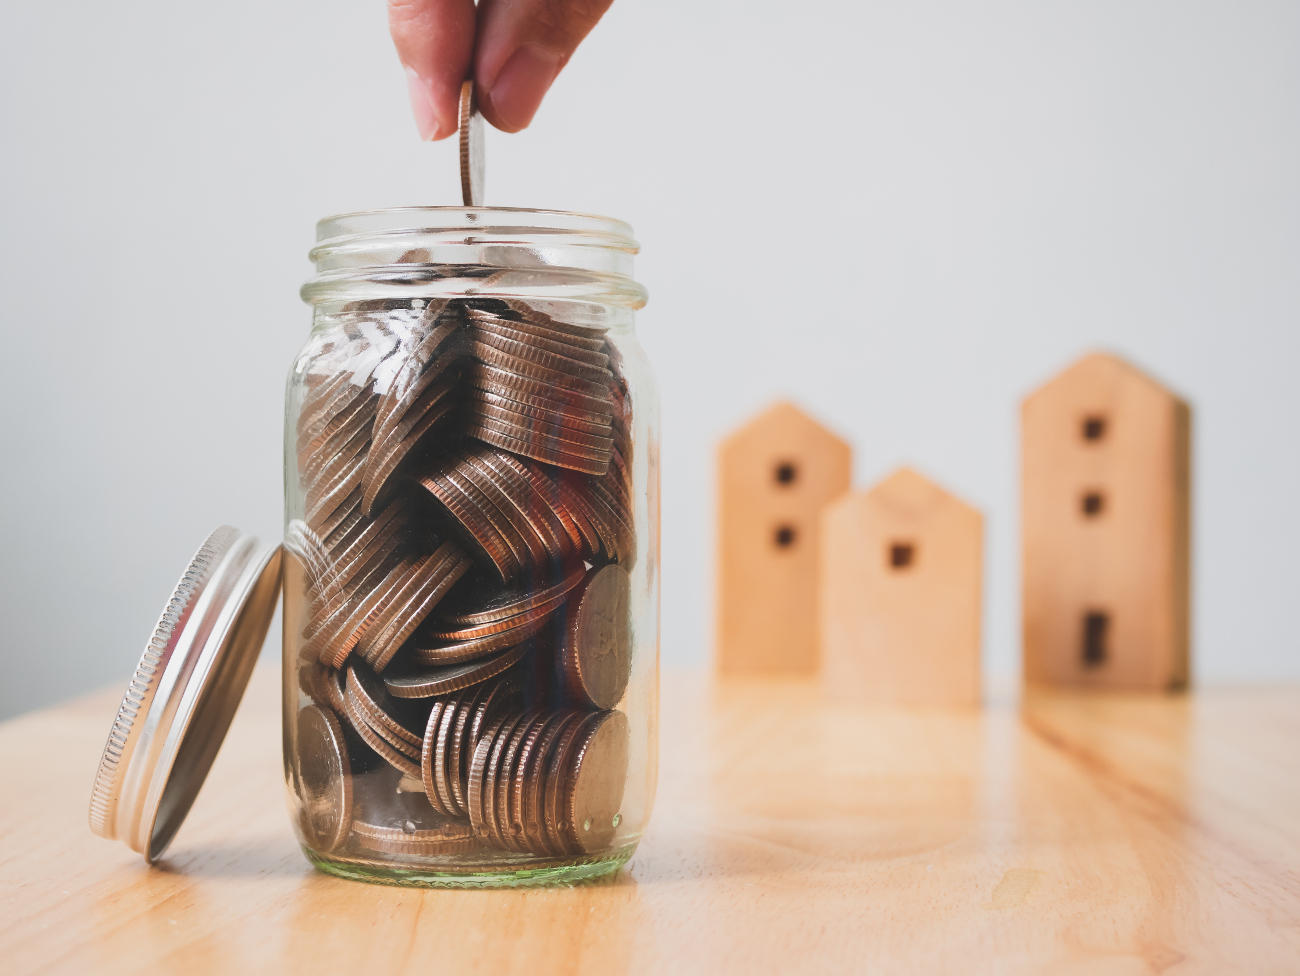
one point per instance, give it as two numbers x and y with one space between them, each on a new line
903 214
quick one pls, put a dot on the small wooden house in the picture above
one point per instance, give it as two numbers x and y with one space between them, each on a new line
774 476
1105 454
902 565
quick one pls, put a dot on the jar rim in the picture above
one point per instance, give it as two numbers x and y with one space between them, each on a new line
402 253
396 220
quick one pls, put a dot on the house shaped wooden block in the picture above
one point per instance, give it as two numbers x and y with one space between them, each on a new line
1105 453
901 594
774 476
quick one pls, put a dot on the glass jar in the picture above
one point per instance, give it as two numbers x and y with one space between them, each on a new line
471 592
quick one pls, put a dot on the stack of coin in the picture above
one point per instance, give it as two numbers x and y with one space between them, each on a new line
465 534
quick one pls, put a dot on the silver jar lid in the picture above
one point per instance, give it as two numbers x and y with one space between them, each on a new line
179 704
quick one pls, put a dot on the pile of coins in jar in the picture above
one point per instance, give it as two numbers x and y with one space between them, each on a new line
463 551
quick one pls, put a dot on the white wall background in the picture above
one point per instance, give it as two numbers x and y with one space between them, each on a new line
903 213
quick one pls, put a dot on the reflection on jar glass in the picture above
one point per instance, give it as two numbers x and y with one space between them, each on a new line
471 567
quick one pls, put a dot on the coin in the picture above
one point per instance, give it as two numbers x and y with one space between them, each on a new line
557 774
369 695
531 494
594 786
432 577
506 383
595 660
480 768
493 329
527 826
428 682
427 836
545 408
481 528
325 778
471 147
504 604
454 652
498 786
497 697
537 445
430 748
396 757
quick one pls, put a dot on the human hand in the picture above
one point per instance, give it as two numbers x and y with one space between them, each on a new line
516 48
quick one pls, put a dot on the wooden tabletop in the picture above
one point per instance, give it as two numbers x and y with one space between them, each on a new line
1064 834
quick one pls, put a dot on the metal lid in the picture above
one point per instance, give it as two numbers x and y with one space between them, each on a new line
179 704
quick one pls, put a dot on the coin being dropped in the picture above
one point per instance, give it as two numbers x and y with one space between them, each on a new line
471 147
596 659
325 774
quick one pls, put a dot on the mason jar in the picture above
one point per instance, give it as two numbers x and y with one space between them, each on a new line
470 566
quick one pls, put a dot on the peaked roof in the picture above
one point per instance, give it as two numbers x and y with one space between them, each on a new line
784 416
1104 366
907 490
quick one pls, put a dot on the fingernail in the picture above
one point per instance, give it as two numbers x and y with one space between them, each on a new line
423 107
520 86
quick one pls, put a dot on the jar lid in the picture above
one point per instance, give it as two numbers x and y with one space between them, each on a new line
179 704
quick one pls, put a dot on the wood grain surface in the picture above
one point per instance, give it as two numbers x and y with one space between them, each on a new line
1101 834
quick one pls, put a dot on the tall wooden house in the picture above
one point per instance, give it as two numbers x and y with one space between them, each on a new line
1105 471
774 476
901 597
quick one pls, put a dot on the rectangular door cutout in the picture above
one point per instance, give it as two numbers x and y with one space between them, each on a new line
1096 630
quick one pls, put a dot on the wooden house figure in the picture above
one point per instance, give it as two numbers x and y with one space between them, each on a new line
1105 452
774 476
901 597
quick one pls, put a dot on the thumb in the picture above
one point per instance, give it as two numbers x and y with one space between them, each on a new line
522 45
434 41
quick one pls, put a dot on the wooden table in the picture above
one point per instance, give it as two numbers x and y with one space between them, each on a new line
1066 834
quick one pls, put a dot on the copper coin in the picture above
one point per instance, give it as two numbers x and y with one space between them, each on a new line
594 783
519 767
597 389
493 771
477 525
325 778
361 551
504 604
526 421
557 774
538 448
428 752
340 633
440 681
370 696
500 514
501 696
491 330
534 323
509 384
479 768
595 660
437 745
387 456
546 408
427 837
470 123
509 354
530 786
391 754
532 495
537 613
489 491
434 576
440 655
498 819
